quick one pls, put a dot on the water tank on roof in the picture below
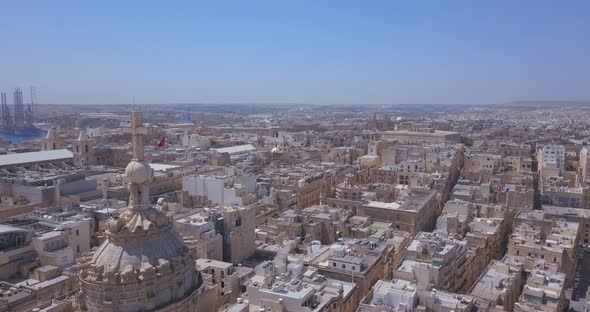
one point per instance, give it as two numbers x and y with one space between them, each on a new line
338 250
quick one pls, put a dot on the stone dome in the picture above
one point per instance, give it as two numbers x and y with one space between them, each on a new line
119 255
137 172
143 264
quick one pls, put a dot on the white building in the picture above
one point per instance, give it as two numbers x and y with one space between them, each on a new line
64 244
195 140
302 293
585 163
403 296
551 160
223 190
398 294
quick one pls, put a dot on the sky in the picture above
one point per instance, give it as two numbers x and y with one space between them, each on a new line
296 51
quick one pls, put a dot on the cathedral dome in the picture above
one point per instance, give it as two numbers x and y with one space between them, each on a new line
119 255
143 264
137 172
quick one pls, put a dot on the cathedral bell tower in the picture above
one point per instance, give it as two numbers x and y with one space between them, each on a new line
51 141
83 150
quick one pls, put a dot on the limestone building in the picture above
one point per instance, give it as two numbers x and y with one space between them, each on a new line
544 291
237 226
499 287
209 242
51 142
83 150
400 295
17 255
143 264
360 261
428 136
414 213
440 262
225 276
580 216
548 243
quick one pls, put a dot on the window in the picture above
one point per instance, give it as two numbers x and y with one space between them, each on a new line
344 266
222 284
353 267
334 264
77 233
78 248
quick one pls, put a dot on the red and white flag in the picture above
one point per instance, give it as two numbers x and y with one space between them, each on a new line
162 142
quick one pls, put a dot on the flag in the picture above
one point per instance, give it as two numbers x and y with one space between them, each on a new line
162 142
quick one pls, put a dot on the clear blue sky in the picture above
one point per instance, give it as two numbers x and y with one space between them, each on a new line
300 51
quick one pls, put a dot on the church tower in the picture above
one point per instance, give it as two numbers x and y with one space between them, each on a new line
51 141
143 264
83 150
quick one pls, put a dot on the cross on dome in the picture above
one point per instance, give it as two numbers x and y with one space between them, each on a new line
137 133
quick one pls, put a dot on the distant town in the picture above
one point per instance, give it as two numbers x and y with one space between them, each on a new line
294 207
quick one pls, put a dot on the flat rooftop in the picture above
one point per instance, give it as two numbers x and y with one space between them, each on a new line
162 167
32 157
203 263
436 133
417 199
566 211
235 149
382 205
